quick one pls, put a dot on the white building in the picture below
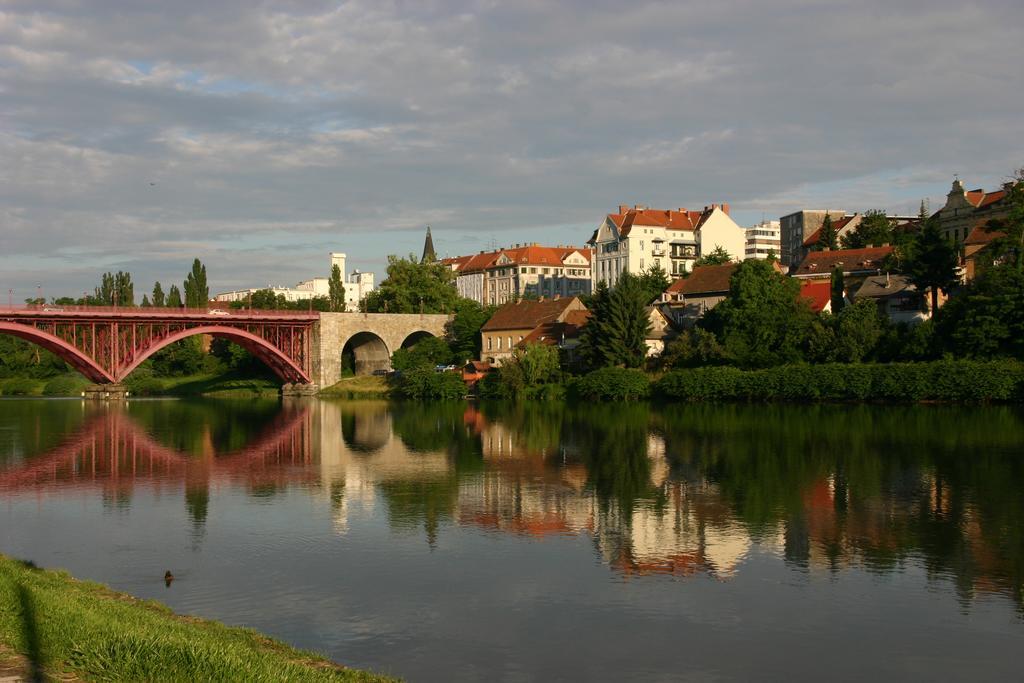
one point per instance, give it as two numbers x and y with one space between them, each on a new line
357 285
764 239
633 240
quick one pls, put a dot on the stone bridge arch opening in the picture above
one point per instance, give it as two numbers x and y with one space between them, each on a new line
415 338
364 354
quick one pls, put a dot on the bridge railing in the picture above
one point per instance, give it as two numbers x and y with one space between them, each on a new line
156 312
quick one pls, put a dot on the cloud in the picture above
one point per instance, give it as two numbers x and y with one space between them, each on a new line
139 133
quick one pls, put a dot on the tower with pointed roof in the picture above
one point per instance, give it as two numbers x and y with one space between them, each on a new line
428 249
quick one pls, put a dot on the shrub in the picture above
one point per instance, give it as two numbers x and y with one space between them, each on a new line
65 385
144 385
949 380
612 384
18 386
424 383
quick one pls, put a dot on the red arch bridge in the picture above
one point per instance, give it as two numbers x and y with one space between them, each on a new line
106 343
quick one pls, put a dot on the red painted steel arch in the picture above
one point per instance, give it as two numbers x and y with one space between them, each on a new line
60 348
283 366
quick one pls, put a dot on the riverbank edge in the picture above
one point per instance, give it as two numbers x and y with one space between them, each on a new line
93 631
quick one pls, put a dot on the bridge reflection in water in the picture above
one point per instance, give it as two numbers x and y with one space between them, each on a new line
679 494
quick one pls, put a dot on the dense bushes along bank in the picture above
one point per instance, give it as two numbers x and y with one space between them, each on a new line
956 381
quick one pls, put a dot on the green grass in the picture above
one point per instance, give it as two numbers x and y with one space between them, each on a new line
364 386
62 626
226 385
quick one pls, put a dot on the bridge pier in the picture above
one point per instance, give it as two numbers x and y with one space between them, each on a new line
105 392
290 390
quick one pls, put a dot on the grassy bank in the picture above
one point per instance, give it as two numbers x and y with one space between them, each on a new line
56 625
226 385
365 386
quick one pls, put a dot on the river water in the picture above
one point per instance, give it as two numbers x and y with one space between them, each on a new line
545 542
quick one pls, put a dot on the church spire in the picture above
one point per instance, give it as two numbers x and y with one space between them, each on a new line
428 249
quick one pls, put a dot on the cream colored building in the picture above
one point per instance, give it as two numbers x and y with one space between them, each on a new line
634 239
966 210
764 240
493 278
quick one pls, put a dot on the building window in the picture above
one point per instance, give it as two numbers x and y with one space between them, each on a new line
490 343
510 342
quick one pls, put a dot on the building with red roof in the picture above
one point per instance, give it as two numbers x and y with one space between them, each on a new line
965 211
493 278
547 321
635 239
818 294
854 262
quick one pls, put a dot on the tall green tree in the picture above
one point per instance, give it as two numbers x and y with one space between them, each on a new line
874 230
158 296
413 287
986 318
145 301
763 321
336 290
859 328
616 334
116 289
838 290
463 330
197 293
933 263
827 238
174 297
654 281
1010 245
716 257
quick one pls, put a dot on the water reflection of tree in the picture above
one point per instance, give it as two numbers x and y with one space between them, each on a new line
198 427
866 485
612 441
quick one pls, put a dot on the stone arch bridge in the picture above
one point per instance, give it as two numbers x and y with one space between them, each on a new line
371 338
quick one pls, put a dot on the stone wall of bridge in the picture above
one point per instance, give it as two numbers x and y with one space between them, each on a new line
374 336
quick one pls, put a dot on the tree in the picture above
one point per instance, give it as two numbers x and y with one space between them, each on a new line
115 289
531 365
174 297
763 321
654 281
827 238
1010 244
691 349
266 299
197 294
858 330
838 290
986 317
426 353
616 334
463 330
158 296
145 301
933 263
413 287
336 289
717 257
874 230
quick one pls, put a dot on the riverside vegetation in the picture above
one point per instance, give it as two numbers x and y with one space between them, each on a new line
57 625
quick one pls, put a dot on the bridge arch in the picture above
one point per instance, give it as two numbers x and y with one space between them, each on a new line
415 337
270 355
369 352
60 348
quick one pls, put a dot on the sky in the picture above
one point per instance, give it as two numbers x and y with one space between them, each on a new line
259 136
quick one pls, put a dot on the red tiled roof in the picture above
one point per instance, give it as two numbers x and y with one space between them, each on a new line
660 218
533 255
527 314
817 292
852 260
992 198
981 236
704 280
552 333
